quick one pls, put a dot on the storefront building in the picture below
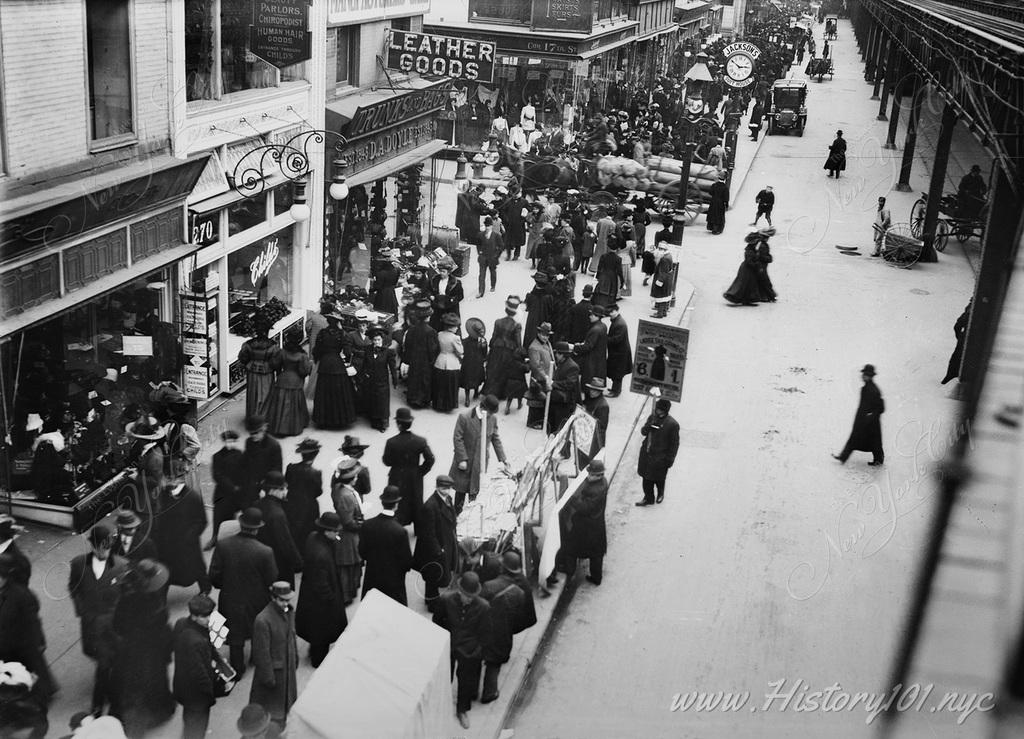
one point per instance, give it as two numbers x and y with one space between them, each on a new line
250 213
93 228
656 39
386 122
567 59
700 23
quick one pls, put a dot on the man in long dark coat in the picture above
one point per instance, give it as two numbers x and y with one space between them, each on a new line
194 677
320 616
657 452
276 532
9 529
592 352
538 307
384 546
93 586
244 569
437 546
579 318
512 611
21 631
420 350
512 213
179 528
587 535
468 209
410 459
262 454
131 543
465 615
230 477
866 435
305 484
565 387
620 352
960 330
275 655
719 193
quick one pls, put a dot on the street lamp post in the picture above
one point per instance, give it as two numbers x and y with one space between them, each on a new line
696 77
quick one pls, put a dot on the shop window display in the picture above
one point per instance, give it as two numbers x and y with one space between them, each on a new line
247 213
76 380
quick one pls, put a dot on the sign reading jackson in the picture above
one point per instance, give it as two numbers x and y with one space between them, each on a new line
443 56
278 32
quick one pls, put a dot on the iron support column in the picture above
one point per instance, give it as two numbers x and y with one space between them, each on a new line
938 181
879 64
891 74
917 90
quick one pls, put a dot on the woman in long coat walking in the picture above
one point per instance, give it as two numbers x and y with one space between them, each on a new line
334 403
314 325
378 374
385 280
588 537
320 616
474 356
661 285
866 435
719 204
745 290
506 339
836 161
609 274
448 365
257 357
287 412
350 515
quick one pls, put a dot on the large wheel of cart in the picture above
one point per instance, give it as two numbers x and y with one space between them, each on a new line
917 217
942 234
900 248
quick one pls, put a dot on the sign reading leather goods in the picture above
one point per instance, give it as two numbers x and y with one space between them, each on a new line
444 56
278 32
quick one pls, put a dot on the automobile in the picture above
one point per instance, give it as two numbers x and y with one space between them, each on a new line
787 108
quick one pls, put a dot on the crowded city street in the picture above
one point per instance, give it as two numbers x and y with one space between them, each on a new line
493 368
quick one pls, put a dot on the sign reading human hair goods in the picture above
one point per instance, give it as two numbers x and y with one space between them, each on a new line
444 56
278 33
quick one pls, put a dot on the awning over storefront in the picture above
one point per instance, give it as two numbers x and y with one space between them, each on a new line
674 28
74 298
383 104
397 163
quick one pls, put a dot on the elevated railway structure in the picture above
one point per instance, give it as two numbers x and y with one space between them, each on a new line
965 626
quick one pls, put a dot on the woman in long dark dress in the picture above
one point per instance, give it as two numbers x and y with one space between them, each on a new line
287 413
257 356
764 283
474 354
715 218
143 649
448 365
505 340
744 290
609 274
836 161
379 372
334 403
385 280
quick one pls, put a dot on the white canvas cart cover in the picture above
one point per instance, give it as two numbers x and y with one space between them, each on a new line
387 677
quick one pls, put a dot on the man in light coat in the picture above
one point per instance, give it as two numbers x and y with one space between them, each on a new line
466 470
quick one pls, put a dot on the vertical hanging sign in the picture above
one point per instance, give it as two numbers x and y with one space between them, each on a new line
278 34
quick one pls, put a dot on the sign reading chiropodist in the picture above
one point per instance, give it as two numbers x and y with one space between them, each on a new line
278 32
444 56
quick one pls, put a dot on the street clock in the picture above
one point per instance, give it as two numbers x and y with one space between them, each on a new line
739 63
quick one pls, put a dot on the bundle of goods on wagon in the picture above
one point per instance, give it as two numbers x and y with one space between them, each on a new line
659 176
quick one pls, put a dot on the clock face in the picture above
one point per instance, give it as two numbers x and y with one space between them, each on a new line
739 66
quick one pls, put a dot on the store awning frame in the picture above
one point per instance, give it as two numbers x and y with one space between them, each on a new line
602 49
397 163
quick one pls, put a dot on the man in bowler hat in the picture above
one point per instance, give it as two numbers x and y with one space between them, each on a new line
437 545
657 452
384 546
409 457
866 435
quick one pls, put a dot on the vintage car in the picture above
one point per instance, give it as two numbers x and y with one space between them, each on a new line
787 109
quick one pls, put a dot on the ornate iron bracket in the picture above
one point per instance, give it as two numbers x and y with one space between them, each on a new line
292 158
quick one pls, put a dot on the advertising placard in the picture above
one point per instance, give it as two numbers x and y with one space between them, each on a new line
660 359
563 15
444 56
278 34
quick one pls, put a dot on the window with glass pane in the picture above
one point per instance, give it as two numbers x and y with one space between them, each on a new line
284 196
240 69
247 213
108 42
401 24
199 50
346 69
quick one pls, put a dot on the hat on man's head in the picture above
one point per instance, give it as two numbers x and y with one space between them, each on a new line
403 414
541 278
391 494
229 435
308 446
150 575
663 405
596 383
127 519
251 518
363 315
329 521
544 329
201 605
469 583
8 564
868 369
596 467
489 403
512 303
347 467
445 481
511 562
588 290
253 721
273 480
254 422
100 535
609 308
282 589
146 430
599 311
562 347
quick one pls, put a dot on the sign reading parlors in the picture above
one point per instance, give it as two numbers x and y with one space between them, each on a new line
660 359
278 33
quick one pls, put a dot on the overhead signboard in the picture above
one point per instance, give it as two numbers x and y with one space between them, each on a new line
374 118
563 15
444 56
660 359
278 34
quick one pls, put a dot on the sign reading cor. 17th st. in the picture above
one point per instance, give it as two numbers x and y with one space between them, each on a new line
444 56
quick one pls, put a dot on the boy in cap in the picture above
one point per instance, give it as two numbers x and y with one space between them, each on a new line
275 654
195 679
464 614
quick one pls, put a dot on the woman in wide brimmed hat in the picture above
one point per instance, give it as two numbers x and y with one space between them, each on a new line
352 447
334 400
147 453
287 412
448 365
474 348
257 356
745 290
379 373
